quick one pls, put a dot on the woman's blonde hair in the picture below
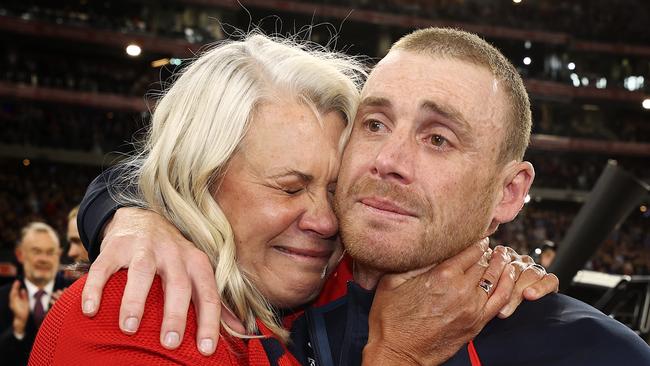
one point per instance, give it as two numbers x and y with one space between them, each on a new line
198 125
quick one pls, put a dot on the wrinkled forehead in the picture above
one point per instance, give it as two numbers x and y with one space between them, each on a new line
410 80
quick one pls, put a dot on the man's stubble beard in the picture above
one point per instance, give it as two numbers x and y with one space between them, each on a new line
441 232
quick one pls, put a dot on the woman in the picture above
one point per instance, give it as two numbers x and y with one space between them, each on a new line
242 157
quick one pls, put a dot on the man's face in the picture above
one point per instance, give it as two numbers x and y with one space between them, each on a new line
418 180
39 253
76 251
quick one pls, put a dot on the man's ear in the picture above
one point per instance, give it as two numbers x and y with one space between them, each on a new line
518 178
19 254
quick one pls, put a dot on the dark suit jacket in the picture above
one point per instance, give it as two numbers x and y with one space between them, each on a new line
12 350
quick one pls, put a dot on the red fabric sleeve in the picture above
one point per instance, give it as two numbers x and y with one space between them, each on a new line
67 337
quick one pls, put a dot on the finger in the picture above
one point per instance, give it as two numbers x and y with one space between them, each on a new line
99 272
502 293
528 277
468 257
178 292
519 268
142 271
492 273
548 284
15 287
207 304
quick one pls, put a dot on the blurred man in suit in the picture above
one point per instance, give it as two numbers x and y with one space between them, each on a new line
76 249
24 303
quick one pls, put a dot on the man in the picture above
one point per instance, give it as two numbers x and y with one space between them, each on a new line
24 303
76 249
434 164
547 256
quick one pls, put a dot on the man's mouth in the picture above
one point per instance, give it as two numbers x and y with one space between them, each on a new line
385 206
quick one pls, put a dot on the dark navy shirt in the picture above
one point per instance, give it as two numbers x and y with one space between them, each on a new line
555 330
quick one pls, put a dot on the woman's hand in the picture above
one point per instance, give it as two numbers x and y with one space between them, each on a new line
147 244
425 316
532 281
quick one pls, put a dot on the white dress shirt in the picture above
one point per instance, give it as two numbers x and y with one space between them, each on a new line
32 289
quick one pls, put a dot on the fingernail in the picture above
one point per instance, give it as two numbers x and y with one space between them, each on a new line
89 307
131 324
206 345
171 339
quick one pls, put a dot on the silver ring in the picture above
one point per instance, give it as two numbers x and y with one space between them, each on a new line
485 285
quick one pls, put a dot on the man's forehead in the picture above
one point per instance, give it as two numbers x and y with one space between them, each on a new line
39 239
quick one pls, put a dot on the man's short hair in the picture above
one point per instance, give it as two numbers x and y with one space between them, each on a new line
471 48
73 213
39 227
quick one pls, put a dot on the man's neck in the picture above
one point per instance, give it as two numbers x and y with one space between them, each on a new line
41 284
366 277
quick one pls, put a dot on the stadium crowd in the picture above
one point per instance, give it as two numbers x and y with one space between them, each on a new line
56 126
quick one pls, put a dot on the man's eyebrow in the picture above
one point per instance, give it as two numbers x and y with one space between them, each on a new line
375 102
449 113
304 177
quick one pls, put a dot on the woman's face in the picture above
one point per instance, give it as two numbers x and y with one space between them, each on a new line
277 195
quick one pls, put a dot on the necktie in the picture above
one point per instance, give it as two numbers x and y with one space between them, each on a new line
39 312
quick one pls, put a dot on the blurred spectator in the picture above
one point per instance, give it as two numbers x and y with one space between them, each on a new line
192 23
549 220
547 254
589 19
60 127
38 191
24 303
578 171
89 73
76 250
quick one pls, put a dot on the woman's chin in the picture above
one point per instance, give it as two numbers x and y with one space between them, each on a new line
296 291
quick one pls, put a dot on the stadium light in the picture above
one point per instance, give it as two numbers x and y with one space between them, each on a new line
516 1
527 199
133 50
159 63
571 66
646 103
527 60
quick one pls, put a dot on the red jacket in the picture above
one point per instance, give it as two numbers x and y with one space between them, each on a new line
67 337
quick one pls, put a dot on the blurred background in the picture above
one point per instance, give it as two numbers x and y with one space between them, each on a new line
77 79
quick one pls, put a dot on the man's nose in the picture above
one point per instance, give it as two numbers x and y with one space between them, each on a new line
395 158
